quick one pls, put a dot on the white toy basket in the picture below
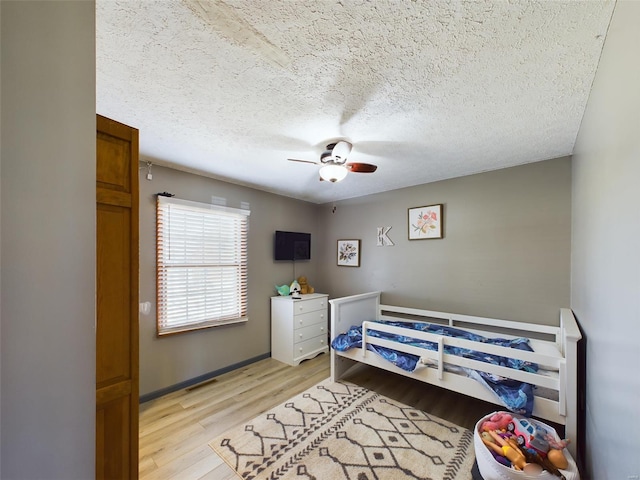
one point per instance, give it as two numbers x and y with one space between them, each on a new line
490 469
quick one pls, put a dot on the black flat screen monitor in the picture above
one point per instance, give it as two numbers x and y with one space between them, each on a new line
292 246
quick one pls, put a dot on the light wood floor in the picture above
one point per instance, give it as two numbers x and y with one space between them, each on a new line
175 429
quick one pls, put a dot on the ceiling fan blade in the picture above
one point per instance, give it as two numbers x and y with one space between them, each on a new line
361 167
302 161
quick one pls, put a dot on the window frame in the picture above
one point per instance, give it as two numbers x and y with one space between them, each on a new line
173 275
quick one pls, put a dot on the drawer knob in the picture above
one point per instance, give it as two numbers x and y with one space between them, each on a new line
300 335
321 341
322 329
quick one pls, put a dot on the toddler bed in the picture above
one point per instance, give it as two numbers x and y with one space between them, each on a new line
464 354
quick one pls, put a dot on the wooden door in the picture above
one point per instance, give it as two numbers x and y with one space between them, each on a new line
117 301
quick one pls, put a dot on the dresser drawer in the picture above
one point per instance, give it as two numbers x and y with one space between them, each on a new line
311 318
308 346
302 334
310 305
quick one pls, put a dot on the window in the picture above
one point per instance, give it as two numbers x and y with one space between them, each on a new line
201 265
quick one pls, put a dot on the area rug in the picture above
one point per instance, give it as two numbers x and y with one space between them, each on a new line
343 431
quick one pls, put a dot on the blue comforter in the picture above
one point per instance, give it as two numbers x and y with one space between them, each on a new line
515 395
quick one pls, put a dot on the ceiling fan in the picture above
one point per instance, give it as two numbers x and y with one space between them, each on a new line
334 162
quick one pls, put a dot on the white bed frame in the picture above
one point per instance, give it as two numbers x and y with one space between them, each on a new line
557 357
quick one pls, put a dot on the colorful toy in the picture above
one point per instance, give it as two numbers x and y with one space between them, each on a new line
529 435
283 290
294 288
523 444
485 436
498 421
533 456
557 444
555 454
557 458
502 447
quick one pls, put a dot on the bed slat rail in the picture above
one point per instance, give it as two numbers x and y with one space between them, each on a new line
543 407
439 358
524 355
387 313
562 396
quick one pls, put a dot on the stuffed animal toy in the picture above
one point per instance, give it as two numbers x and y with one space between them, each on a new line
498 421
294 288
283 290
305 288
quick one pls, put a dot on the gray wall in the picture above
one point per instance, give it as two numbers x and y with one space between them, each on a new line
170 360
505 251
48 150
605 287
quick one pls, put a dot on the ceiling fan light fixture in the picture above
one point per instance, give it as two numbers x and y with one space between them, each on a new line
333 173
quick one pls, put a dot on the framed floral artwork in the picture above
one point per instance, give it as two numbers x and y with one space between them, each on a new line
425 222
349 253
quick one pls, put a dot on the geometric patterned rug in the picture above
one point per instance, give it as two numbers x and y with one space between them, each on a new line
343 431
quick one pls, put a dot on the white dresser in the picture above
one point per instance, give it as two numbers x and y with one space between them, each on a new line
299 328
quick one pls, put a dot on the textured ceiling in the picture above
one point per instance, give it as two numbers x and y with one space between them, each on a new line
425 90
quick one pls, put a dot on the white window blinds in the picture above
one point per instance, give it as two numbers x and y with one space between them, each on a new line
201 265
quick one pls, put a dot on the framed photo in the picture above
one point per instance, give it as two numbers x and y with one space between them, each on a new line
425 222
349 253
